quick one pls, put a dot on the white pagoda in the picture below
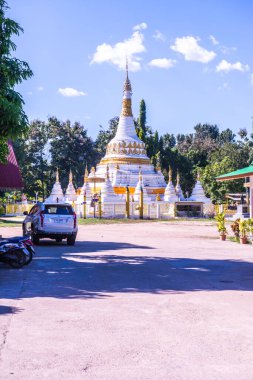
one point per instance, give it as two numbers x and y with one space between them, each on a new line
56 193
126 155
198 194
170 192
70 194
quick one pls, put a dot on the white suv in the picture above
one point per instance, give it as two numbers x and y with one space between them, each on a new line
55 221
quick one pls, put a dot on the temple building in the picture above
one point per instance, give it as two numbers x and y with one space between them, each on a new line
126 157
247 174
10 175
125 174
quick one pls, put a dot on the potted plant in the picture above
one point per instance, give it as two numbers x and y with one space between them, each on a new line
220 218
243 228
235 228
250 228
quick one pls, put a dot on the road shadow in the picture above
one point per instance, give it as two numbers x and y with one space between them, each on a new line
90 270
9 310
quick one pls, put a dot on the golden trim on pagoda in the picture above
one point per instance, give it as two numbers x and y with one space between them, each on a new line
126 107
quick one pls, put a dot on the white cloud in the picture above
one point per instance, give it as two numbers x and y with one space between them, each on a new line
192 51
227 50
40 88
163 63
213 40
70 92
140 26
159 36
117 53
251 79
227 66
29 93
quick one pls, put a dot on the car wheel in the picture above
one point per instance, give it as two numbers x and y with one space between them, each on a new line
35 239
24 231
71 240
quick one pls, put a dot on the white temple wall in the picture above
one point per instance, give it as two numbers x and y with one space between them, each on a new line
151 210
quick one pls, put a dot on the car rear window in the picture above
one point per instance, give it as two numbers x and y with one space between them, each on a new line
58 210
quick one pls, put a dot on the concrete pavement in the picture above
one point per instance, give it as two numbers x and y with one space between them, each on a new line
138 301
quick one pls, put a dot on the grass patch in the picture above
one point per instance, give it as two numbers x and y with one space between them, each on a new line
112 221
132 221
234 239
9 223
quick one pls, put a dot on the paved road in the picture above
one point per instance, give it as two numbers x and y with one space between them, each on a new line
141 301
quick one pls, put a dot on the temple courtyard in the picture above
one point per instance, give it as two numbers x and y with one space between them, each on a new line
151 300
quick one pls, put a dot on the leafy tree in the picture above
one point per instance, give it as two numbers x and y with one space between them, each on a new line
141 122
230 157
227 136
70 148
243 133
203 131
169 141
13 120
34 159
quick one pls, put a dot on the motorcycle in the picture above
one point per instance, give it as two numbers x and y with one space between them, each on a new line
13 254
24 243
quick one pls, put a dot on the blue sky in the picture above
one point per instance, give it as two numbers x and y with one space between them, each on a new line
191 61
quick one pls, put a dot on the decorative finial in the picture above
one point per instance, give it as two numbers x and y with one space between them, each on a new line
170 174
57 175
86 173
140 174
127 84
70 176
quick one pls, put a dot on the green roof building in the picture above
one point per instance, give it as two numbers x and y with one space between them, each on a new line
246 172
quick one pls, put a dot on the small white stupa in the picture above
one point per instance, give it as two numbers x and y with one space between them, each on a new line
170 192
198 194
86 186
70 194
56 193
137 191
85 189
107 192
178 189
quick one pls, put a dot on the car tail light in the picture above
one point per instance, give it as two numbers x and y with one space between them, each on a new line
41 218
74 216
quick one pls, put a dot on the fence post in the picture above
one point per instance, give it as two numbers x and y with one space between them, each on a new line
141 203
84 205
99 206
127 203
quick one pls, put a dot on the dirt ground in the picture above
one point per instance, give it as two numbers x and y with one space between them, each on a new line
138 301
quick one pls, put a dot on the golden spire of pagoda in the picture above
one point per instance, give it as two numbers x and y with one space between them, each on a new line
57 175
170 174
86 174
70 176
127 84
127 102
